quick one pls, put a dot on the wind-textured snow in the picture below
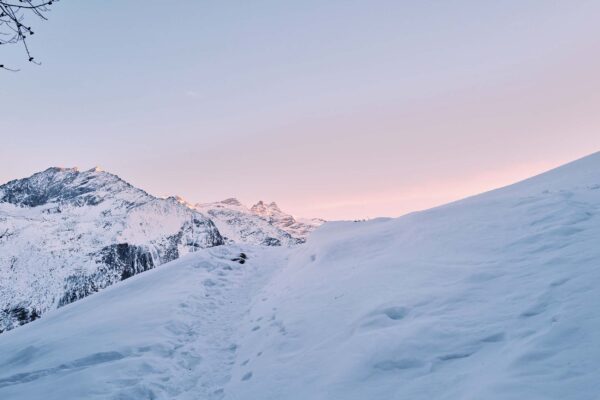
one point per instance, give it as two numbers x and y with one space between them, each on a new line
163 334
492 297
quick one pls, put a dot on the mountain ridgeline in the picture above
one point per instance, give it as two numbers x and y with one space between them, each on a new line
65 234
491 297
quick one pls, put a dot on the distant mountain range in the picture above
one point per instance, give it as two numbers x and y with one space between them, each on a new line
65 234
262 224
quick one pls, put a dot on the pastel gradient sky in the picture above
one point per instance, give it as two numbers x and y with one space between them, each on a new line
336 109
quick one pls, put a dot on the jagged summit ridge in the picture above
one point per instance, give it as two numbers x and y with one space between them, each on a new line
286 222
232 202
263 224
261 208
69 186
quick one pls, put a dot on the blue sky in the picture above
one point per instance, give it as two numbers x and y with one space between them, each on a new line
339 109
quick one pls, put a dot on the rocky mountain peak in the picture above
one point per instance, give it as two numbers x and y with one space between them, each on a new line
274 207
232 201
66 185
180 200
264 209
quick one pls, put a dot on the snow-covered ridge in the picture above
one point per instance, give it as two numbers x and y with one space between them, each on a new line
69 186
493 297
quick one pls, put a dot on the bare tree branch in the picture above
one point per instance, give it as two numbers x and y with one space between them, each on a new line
13 28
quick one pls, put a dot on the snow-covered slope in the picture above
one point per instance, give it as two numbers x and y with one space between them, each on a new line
163 334
493 297
65 234
261 224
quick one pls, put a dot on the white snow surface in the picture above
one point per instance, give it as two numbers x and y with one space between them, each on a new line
163 334
492 297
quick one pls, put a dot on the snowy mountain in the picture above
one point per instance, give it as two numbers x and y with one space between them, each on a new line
493 297
299 228
65 234
260 224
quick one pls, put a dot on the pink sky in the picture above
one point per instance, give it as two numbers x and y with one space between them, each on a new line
332 109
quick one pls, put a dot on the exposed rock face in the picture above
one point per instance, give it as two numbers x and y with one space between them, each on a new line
65 234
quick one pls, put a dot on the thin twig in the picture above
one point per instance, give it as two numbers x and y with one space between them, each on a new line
12 26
